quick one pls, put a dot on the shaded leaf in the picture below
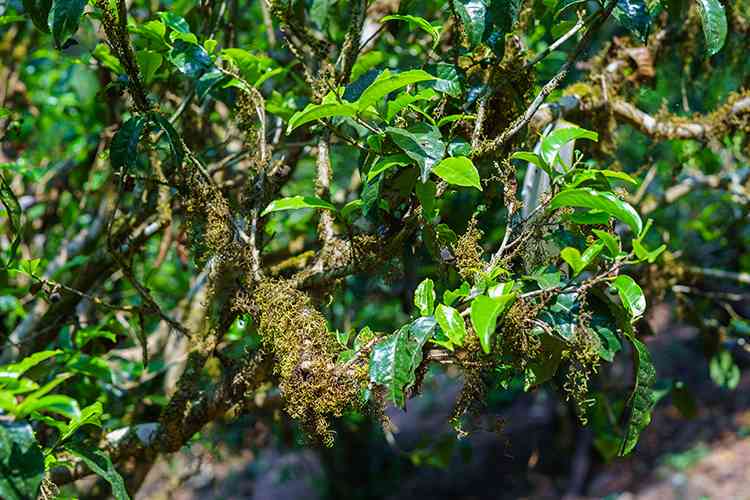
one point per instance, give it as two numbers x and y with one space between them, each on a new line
393 360
123 150
13 217
634 16
386 163
64 17
99 462
642 399
419 22
21 461
39 11
422 143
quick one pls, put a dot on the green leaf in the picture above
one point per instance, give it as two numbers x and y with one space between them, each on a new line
149 63
54 403
319 12
580 262
714 21
426 192
484 314
388 82
175 142
592 174
386 163
295 202
319 111
611 242
100 463
450 296
63 19
15 370
724 372
605 201
123 150
422 143
451 323
634 16
419 22
21 462
459 171
191 59
630 294
606 330
174 21
13 217
555 140
424 297
534 159
644 253
447 79
562 315
394 360
39 12
472 14
91 415
86 335
642 399
254 68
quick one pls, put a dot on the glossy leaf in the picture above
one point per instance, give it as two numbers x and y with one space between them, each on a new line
15 370
39 11
422 143
555 140
394 360
562 315
451 323
714 21
424 297
642 399
191 59
12 217
91 415
21 461
99 462
459 171
605 201
296 202
315 112
472 14
123 151
64 17
630 294
634 16
484 314
388 82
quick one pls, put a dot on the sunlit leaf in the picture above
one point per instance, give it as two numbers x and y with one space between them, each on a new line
295 202
484 314
459 171
631 295
605 201
714 21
